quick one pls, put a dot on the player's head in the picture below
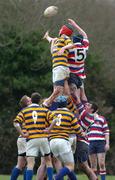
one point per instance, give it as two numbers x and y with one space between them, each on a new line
77 38
35 97
62 101
91 107
24 101
66 29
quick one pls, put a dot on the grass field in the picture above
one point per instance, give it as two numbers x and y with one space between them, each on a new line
80 177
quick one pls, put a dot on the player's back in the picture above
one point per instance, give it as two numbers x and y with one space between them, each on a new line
76 58
58 60
36 120
64 125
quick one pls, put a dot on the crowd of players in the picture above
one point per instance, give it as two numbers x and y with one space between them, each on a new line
64 126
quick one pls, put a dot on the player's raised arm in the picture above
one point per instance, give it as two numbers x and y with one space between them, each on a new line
79 29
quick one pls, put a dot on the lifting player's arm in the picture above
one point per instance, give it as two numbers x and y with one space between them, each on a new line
50 40
79 29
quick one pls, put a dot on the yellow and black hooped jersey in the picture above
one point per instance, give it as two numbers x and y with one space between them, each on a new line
60 60
71 106
36 119
66 123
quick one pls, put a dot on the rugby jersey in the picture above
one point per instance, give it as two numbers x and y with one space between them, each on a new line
85 120
60 60
71 106
99 129
76 58
22 126
67 122
36 119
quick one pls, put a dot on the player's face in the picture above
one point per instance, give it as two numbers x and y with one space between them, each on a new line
88 107
73 88
28 100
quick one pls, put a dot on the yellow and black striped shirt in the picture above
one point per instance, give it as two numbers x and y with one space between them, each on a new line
36 119
71 106
60 60
65 125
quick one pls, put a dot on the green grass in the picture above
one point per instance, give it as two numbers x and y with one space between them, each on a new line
80 177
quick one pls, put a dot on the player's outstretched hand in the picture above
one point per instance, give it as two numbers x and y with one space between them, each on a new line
46 35
71 21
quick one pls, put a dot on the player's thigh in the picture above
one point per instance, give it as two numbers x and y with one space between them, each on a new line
21 144
61 148
33 147
60 73
44 146
30 162
82 152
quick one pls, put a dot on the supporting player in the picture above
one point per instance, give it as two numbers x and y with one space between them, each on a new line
59 138
21 144
36 120
86 119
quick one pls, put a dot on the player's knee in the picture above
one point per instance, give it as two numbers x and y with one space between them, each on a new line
102 165
48 161
70 166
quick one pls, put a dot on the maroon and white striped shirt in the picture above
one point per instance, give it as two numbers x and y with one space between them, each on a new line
99 129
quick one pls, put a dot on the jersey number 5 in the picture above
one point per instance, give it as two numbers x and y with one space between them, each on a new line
79 55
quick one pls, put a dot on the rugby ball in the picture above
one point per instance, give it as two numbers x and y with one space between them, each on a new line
50 11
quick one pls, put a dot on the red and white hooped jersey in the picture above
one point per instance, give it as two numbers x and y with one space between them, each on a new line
76 58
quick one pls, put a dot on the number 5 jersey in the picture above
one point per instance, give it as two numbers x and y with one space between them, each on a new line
77 57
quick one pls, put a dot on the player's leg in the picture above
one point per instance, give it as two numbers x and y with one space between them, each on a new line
18 168
60 74
30 166
56 163
41 172
82 154
61 149
93 156
21 161
88 171
31 152
93 162
102 168
45 151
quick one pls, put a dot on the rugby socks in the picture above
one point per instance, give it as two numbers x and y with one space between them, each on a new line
72 175
15 173
50 173
63 172
103 175
29 174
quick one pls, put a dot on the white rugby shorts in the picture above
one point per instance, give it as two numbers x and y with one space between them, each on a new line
60 73
21 144
61 149
34 146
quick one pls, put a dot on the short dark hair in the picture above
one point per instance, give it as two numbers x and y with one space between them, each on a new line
35 97
94 107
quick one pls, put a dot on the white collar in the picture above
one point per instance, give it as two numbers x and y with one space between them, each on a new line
33 104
